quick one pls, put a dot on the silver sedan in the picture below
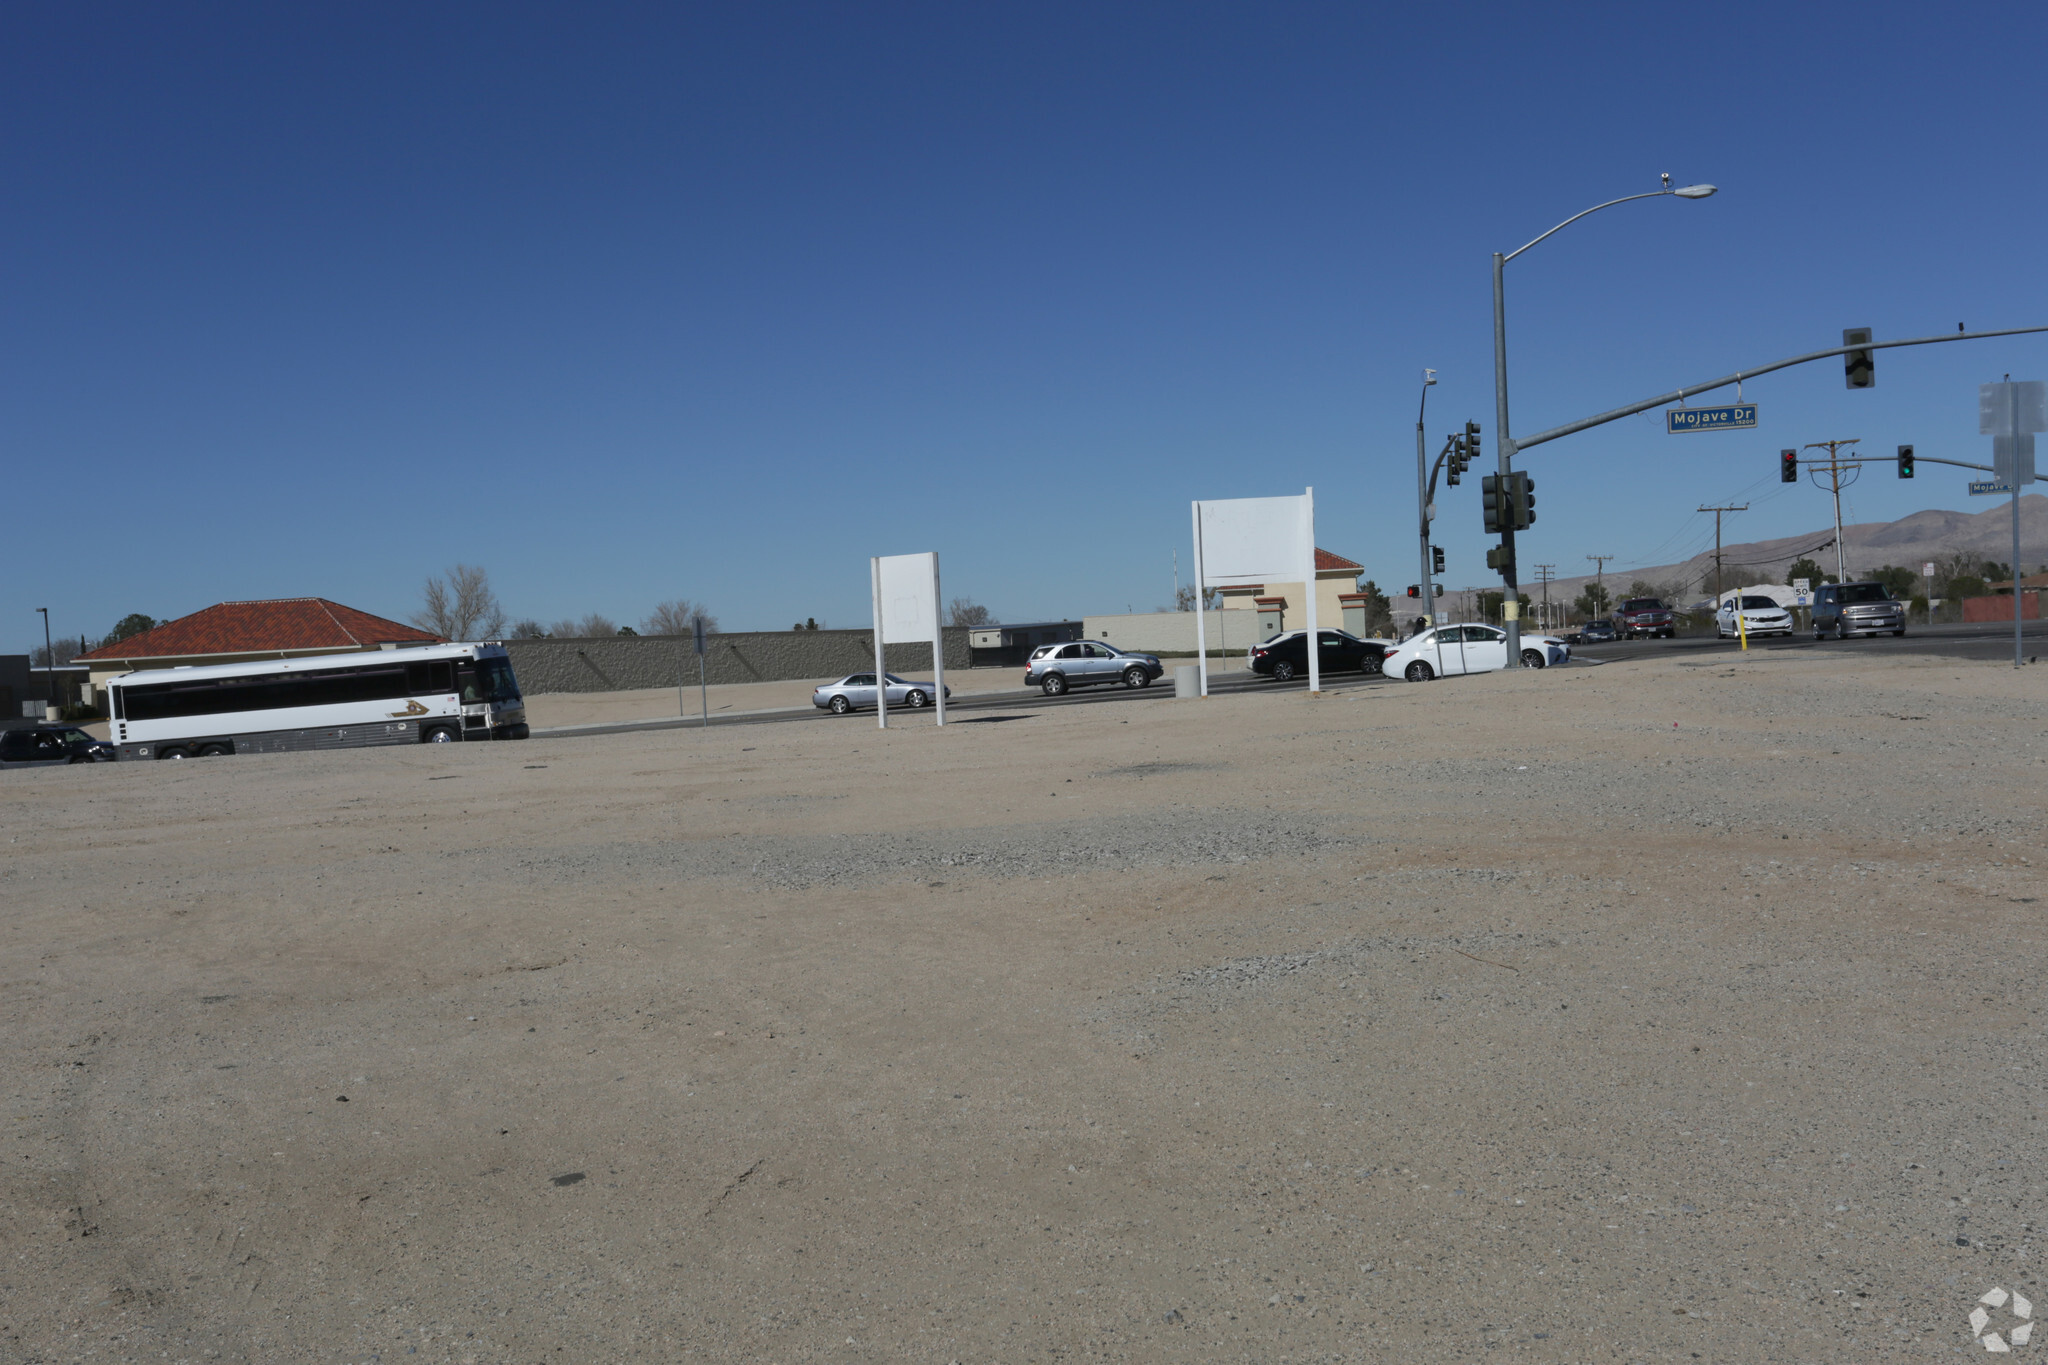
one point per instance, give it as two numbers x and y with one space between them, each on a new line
857 690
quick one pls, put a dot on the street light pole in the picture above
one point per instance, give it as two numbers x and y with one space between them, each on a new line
1422 507
1504 443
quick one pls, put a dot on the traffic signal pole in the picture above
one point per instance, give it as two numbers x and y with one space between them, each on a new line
1504 447
1422 507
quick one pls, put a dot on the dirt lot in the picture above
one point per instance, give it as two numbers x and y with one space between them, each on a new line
1661 1011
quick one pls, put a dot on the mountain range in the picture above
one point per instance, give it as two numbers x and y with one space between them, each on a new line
1911 541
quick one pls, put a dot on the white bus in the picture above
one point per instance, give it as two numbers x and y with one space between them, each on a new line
435 695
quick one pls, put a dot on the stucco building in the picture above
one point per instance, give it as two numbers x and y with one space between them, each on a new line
1284 606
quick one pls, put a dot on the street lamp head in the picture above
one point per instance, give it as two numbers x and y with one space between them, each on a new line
1428 378
1695 191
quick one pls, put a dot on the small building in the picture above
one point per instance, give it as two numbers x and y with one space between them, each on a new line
1000 646
234 632
1284 606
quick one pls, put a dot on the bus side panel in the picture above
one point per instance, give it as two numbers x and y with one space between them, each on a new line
294 741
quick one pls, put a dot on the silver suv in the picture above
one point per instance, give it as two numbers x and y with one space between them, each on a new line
1845 609
1056 668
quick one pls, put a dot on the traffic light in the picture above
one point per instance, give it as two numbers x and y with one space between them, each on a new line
1436 558
1859 366
1499 560
1471 439
1905 462
1414 590
1490 493
1456 465
1521 501
1788 466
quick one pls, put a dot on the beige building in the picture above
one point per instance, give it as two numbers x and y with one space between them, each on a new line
1284 606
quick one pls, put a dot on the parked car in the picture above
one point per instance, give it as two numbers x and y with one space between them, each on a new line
1645 618
1596 632
1286 655
1083 663
46 746
1450 650
857 690
1760 616
1856 609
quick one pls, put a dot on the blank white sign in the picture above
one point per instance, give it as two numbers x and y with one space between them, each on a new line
1256 540
910 598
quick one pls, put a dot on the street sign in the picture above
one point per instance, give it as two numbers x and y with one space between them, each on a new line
1733 416
1992 486
2010 414
1802 592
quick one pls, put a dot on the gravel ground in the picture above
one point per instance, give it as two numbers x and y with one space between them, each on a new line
1660 1011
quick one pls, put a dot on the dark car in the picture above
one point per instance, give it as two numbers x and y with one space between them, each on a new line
45 746
1641 617
1286 656
1596 632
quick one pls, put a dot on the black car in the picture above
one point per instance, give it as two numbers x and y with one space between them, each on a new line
1594 632
1286 656
45 746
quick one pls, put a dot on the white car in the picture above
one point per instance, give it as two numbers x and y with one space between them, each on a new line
1449 650
1760 616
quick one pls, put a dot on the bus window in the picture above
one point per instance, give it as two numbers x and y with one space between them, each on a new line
432 678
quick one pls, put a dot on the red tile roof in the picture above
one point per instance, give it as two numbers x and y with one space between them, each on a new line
286 623
1325 562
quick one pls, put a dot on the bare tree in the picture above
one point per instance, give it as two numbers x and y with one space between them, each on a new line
965 611
678 617
528 629
590 627
1184 599
461 606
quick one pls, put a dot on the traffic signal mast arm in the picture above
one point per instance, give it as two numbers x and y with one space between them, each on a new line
1679 395
1848 460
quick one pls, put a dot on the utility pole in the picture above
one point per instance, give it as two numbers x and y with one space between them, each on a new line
1544 573
1600 576
1835 465
1717 511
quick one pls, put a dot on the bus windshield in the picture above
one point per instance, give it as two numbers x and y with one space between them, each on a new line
492 682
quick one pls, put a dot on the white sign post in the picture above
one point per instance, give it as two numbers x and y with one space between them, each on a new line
1243 541
906 593
2010 414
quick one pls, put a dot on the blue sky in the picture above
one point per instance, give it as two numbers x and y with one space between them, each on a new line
635 302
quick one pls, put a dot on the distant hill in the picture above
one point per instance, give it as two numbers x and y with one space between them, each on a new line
1911 541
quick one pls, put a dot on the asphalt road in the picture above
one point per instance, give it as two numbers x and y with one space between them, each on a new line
1983 642
1979 642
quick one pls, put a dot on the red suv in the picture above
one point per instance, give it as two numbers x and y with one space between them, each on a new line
1640 616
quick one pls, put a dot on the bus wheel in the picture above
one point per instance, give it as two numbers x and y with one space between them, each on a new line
214 751
440 734
172 752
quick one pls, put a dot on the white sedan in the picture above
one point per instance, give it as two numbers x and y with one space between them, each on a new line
1760 616
1449 650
